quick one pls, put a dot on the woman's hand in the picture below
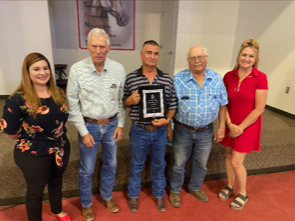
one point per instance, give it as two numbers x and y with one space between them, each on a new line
234 131
14 136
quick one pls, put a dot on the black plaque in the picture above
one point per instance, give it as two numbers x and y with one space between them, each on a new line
152 103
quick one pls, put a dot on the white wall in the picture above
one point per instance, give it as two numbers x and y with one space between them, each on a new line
63 15
222 26
208 23
24 29
272 24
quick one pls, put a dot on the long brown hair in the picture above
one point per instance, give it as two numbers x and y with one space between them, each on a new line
28 88
252 44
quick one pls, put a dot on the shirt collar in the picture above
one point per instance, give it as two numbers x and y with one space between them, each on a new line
254 72
93 68
208 75
159 72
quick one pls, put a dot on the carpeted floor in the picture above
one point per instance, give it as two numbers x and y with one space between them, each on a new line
270 198
277 154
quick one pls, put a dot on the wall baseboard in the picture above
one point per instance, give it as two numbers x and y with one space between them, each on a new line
123 187
278 111
4 96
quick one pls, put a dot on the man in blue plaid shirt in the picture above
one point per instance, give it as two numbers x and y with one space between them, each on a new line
201 99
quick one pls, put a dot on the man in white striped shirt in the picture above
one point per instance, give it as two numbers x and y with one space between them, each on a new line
94 92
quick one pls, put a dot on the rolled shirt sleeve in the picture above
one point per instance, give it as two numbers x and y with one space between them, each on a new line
74 105
173 100
223 94
121 107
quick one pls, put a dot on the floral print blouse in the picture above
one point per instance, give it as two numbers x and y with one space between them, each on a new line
41 131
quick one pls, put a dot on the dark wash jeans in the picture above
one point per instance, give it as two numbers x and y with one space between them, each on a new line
39 171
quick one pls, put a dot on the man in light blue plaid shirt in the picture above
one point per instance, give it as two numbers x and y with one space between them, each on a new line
201 99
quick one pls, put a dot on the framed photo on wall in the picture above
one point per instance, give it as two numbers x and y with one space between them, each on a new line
116 17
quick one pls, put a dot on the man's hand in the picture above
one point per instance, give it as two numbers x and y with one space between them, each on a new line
118 133
88 140
133 99
160 122
219 135
169 133
235 130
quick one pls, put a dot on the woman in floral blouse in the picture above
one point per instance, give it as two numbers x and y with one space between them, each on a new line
35 116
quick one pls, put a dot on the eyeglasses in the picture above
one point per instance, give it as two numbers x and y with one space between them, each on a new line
200 58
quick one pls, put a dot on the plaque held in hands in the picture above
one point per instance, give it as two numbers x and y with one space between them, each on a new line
152 104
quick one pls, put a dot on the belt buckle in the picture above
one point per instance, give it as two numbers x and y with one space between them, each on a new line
151 128
102 122
201 129
197 129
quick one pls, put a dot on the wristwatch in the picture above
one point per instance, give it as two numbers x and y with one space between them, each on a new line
168 118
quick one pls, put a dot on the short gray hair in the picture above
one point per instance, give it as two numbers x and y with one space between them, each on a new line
98 32
205 50
199 46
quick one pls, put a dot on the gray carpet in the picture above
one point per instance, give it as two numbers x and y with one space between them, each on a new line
277 153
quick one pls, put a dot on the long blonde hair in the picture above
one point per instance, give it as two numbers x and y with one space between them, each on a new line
28 88
252 44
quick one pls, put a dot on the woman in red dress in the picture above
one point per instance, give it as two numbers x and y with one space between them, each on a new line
247 93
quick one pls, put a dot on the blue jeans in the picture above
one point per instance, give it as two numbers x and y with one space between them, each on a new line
103 134
187 142
140 140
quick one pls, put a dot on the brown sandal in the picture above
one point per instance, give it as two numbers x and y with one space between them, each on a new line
226 195
240 205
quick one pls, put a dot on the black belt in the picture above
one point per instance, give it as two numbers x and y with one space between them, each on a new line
147 127
192 128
